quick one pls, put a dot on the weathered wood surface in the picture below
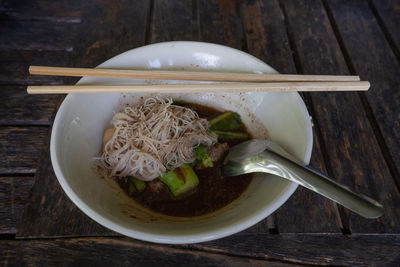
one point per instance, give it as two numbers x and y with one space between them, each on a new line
27 37
122 28
31 38
320 249
53 11
114 252
21 148
220 23
14 192
340 117
237 250
371 58
14 66
387 14
173 21
357 37
265 32
109 28
19 108
37 35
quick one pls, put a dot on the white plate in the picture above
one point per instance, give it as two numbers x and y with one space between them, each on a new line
82 118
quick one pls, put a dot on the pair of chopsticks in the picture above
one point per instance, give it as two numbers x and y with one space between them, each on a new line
226 82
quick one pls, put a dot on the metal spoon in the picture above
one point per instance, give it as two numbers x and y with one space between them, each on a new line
265 156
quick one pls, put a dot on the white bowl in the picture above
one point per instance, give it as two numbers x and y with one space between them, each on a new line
82 118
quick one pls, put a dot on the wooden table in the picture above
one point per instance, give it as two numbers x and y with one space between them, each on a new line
356 135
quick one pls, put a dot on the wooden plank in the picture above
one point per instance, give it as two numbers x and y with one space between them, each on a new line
266 34
242 249
37 35
14 66
220 23
266 39
21 148
119 27
38 32
113 252
371 57
19 108
387 13
173 21
314 249
14 193
109 29
54 11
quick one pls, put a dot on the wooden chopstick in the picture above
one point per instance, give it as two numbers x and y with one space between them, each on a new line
188 75
202 88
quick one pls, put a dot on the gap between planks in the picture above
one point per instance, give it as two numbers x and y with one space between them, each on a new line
340 213
384 29
395 173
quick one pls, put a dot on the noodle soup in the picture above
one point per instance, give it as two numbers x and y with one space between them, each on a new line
167 156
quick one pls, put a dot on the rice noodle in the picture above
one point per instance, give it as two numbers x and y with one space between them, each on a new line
153 137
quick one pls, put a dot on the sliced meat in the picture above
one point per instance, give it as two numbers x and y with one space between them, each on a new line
156 185
218 150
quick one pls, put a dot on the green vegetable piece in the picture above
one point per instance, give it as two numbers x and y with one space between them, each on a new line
173 181
180 180
226 122
203 157
222 135
132 189
135 185
191 179
139 184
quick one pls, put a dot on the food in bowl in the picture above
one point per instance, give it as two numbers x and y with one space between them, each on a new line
166 155
82 119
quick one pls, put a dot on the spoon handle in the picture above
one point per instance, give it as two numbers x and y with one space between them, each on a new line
323 185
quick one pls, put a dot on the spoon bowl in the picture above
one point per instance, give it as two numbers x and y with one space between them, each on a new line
266 156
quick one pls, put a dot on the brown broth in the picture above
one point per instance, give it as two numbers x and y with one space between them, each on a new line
213 192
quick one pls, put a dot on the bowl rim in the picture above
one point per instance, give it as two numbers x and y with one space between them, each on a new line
172 238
